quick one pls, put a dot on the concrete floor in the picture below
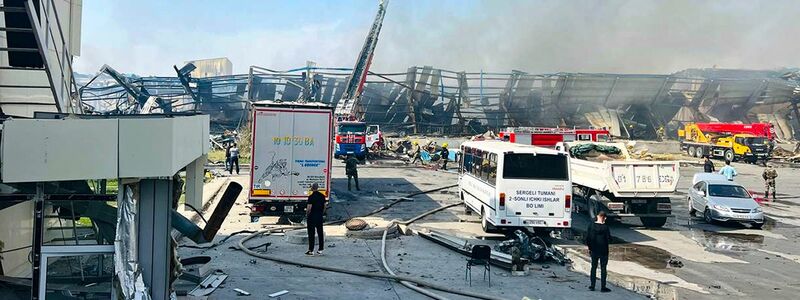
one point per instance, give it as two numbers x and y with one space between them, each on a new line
721 260
408 255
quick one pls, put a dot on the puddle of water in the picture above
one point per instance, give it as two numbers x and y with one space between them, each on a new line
769 224
726 242
647 256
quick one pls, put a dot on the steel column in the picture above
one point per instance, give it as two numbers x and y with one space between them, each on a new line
154 246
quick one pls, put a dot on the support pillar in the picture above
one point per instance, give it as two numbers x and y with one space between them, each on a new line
194 182
154 248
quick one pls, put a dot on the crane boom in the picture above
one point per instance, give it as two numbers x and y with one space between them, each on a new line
348 106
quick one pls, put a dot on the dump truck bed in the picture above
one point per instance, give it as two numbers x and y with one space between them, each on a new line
626 177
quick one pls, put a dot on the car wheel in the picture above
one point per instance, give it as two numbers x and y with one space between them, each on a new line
707 216
691 151
692 211
756 225
729 155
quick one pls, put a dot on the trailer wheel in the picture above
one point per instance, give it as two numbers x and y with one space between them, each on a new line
690 151
729 155
653 222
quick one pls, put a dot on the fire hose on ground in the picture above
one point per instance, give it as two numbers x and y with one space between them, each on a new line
406 281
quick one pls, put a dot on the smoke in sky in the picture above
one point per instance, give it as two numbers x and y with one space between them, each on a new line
533 36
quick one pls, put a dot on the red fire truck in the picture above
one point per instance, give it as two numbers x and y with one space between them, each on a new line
549 137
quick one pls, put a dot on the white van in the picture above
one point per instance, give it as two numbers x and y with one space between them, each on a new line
514 185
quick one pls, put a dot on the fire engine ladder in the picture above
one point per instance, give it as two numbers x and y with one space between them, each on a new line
35 63
348 107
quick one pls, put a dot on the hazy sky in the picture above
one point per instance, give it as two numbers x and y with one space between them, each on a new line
147 37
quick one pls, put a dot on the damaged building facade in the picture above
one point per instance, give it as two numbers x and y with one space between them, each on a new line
427 100
87 202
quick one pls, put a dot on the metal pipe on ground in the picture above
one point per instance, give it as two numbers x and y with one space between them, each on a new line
406 281
383 251
222 210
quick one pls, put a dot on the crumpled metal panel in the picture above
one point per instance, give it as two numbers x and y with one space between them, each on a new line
126 267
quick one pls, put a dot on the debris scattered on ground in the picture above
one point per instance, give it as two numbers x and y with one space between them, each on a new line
675 263
533 248
276 294
209 284
780 152
242 292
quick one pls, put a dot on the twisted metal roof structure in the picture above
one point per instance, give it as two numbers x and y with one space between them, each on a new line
431 100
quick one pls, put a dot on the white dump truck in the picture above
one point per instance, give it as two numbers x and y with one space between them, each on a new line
291 144
605 179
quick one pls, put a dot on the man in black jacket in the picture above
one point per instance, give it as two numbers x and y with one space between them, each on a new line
708 165
315 212
351 170
598 236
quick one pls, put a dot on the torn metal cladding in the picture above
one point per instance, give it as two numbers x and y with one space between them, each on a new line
431 100
126 265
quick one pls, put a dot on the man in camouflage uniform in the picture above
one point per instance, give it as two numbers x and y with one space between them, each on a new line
769 176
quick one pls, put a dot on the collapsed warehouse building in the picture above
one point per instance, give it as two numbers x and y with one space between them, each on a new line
426 100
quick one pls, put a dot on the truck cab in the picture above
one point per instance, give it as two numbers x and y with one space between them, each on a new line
751 147
351 139
374 137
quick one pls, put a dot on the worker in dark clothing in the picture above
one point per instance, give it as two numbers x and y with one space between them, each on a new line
598 236
315 210
708 165
351 170
227 157
445 156
234 159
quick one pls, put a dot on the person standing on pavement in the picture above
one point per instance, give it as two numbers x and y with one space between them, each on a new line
728 171
315 212
598 236
445 156
234 159
227 157
769 176
708 165
351 170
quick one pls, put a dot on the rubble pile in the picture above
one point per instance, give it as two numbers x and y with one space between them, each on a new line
531 248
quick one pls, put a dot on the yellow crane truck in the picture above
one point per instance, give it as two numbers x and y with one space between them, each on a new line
732 142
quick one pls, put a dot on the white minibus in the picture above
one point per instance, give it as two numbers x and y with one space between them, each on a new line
514 185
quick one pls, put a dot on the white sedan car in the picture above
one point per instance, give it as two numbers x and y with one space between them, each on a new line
721 200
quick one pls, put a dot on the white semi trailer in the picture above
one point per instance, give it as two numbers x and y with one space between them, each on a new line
291 150
623 187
